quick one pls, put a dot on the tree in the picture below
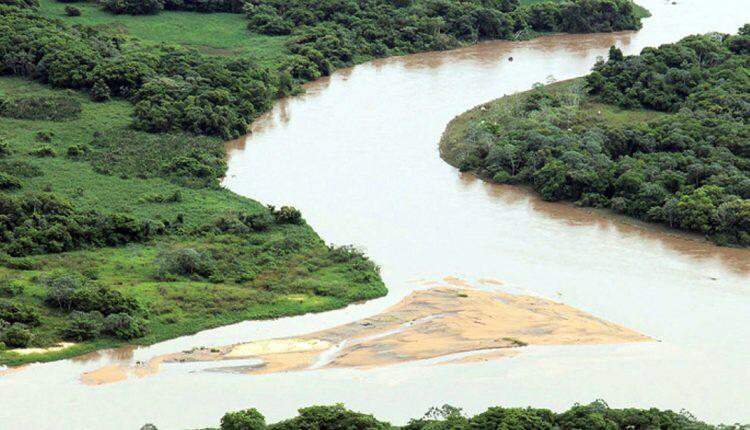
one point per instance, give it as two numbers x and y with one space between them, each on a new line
248 419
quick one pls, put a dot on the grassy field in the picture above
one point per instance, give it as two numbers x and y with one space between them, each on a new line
286 270
213 34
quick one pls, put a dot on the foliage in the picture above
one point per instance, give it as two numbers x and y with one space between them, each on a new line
15 335
286 215
84 326
326 35
249 419
183 262
37 223
335 417
14 312
187 160
58 108
172 88
133 7
689 170
596 415
72 11
124 326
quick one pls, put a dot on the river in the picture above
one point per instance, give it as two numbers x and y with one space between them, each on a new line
357 153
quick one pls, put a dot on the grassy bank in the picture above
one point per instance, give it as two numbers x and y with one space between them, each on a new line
285 269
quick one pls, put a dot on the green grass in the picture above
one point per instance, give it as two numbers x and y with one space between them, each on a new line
286 270
214 34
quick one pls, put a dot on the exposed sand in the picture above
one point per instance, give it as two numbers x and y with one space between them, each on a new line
58 347
428 324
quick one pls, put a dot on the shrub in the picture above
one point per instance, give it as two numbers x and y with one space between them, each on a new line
4 148
77 151
39 223
83 326
72 11
183 262
286 215
43 136
16 336
43 151
242 222
14 312
132 7
59 288
100 91
331 418
9 182
11 288
20 168
124 326
248 419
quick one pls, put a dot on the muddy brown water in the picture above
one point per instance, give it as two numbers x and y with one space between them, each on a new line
358 155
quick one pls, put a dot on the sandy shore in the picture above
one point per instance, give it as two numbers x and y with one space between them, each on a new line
437 322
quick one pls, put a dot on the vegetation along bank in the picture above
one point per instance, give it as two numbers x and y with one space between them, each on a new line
662 136
112 116
596 415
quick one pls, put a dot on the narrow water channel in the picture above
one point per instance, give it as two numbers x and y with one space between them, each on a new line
358 155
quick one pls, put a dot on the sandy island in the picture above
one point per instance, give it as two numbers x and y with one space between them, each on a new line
427 324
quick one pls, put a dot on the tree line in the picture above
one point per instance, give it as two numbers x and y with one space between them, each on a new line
335 33
593 416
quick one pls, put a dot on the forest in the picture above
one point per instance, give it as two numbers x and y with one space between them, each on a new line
595 416
662 136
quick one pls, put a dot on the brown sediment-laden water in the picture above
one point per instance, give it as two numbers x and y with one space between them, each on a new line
358 155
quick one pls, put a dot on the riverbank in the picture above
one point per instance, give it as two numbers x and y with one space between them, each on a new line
283 269
637 148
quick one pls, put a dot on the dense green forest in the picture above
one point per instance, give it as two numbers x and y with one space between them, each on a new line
662 136
594 416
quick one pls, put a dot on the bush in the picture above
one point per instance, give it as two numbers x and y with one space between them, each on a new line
16 336
72 11
331 418
132 7
84 326
20 168
183 262
286 215
43 136
14 312
9 182
242 222
11 288
248 419
41 223
4 148
124 326
43 151
100 91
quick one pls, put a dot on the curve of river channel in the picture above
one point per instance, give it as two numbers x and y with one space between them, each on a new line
358 155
